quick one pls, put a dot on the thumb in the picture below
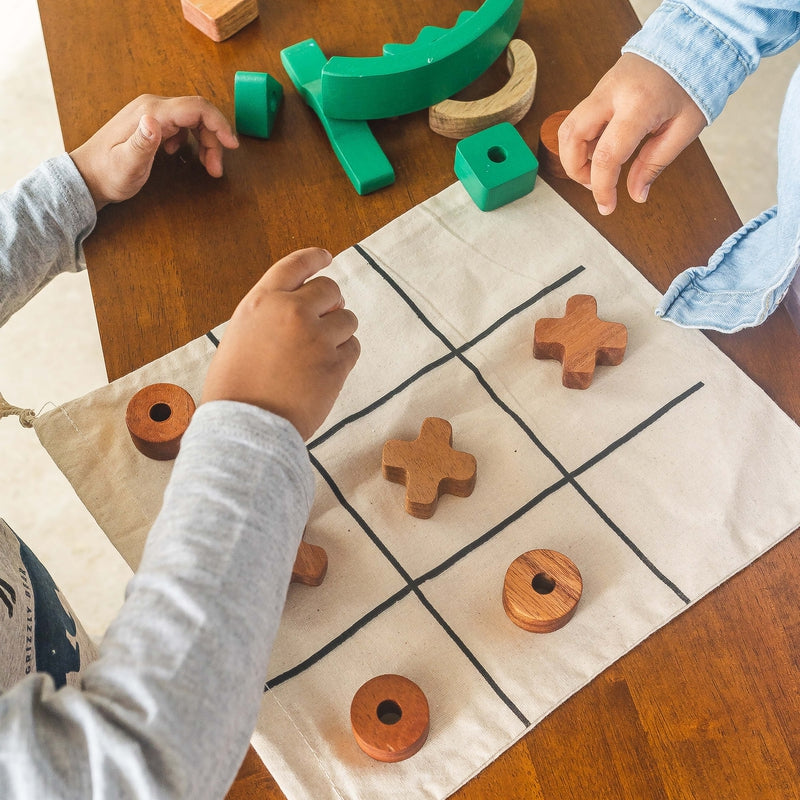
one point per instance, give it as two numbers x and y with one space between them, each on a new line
144 141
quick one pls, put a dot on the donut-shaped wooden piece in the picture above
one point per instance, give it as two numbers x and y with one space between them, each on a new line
390 718
157 417
541 591
549 159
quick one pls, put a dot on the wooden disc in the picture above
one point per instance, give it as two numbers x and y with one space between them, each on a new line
157 417
549 159
390 718
541 591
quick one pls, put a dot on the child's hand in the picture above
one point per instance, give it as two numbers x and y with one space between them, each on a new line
116 161
289 345
633 99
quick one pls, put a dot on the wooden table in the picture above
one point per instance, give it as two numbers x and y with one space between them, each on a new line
707 707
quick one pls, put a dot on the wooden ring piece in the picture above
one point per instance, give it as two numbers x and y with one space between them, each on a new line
541 591
549 158
157 417
390 718
461 118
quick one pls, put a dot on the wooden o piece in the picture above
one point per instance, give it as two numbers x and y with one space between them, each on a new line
541 591
429 467
549 159
157 417
458 118
579 340
390 718
310 566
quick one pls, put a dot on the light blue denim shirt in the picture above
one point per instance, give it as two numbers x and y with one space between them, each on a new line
710 48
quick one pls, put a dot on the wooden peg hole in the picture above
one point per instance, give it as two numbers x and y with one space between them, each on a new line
160 412
389 713
542 583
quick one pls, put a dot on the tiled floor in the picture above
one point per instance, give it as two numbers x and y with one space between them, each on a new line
35 499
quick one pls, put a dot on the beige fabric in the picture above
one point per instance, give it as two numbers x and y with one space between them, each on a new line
669 474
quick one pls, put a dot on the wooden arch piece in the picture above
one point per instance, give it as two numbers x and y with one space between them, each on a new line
461 118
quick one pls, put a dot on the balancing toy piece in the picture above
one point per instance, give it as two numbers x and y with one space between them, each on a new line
157 417
390 718
410 77
310 565
541 591
495 166
459 118
219 19
579 340
549 158
356 148
257 98
428 467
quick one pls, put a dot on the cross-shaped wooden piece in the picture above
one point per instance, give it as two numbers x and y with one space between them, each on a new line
579 340
429 467
310 565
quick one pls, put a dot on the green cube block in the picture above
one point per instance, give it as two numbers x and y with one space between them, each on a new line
496 166
257 97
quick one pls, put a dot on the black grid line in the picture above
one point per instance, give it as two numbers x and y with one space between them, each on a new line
568 478
452 353
413 584
520 422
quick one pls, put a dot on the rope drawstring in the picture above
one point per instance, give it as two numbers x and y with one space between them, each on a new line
26 415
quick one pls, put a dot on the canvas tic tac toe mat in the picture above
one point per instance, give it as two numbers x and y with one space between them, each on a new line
665 476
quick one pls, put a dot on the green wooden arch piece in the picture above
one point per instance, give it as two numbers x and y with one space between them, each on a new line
410 77
356 148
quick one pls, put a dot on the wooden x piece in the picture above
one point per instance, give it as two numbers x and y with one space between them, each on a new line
429 467
310 565
579 340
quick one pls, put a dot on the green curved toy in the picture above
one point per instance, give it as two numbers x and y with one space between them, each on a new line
356 148
410 77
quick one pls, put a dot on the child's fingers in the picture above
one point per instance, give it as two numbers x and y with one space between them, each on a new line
340 324
577 138
194 113
615 146
659 152
293 270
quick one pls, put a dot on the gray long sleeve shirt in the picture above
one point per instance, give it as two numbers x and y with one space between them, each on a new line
169 704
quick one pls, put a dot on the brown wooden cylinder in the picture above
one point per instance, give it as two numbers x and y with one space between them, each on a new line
549 159
157 417
541 591
390 718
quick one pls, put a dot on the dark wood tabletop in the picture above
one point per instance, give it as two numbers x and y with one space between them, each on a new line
709 706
